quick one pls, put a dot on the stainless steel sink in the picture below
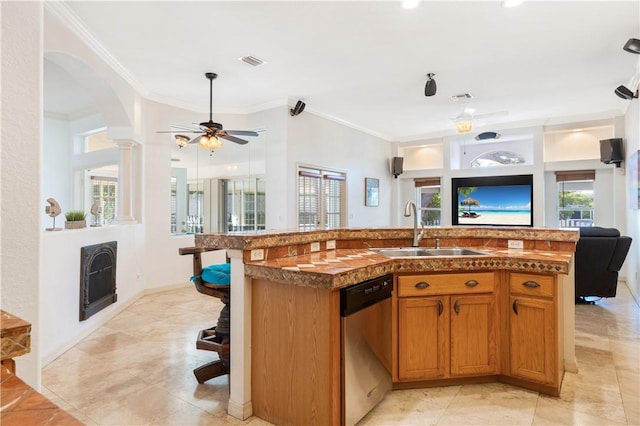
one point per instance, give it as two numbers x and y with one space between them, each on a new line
426 252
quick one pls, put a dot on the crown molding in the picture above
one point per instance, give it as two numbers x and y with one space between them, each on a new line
65 15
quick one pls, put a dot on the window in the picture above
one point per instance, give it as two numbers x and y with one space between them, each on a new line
575 198
104 191
429 201
174 205
497 158
97 141
195 200
321 198
245 204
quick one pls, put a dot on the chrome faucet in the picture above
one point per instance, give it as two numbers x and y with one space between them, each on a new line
409 208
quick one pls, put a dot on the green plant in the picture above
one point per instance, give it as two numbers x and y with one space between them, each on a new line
75 215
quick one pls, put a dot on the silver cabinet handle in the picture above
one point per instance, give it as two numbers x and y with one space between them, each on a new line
422 284
531 284
471 283
456 306
515 306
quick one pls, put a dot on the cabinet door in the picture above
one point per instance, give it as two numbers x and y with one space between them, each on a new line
422 338
473 335
533 339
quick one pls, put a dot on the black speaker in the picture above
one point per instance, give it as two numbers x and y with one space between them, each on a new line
611 151
297 110
396 166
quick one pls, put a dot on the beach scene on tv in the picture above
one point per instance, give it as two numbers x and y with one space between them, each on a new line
495 205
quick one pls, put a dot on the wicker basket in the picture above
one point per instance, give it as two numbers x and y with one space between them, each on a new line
75 224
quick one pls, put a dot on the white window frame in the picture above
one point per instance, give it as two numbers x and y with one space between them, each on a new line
321 197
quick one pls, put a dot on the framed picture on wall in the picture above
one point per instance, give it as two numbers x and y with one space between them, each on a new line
371 192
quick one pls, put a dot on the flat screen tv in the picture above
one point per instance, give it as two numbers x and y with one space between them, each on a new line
493 200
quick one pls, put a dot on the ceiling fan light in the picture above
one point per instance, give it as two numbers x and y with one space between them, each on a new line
464 125
512 3
181 140
210 142
410 4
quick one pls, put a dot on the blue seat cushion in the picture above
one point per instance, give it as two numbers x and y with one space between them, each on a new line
219 274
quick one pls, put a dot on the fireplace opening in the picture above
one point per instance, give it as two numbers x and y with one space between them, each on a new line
97 278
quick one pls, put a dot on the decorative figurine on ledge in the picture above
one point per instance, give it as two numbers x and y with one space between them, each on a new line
96 209
53 210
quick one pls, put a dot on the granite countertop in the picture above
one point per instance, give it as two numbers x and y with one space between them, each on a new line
342 267
15 335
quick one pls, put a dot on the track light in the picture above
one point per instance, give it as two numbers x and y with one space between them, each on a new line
430 88
297 110
625 93
632 45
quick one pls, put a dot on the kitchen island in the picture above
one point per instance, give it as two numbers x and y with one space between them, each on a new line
285 323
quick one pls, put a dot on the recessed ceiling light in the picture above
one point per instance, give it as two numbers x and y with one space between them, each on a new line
511 3
410 4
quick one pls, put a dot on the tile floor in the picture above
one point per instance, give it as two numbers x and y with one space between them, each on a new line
136 370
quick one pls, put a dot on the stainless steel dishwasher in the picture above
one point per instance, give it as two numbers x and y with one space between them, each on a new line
365 309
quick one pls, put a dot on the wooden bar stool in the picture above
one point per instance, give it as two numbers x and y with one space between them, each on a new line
217 338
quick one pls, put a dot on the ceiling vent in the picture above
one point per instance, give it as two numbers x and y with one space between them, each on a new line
252 60
463 97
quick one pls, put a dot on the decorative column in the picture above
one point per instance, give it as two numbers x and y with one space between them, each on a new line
124 211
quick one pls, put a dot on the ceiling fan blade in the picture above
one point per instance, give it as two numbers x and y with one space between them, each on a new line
491 114
242 132
232 138
179 131
195 139
180 127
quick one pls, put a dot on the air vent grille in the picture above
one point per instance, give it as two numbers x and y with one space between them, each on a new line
462 97
252 60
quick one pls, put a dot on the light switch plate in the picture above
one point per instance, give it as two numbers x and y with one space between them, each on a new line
331 244
315 246
257 254
515 244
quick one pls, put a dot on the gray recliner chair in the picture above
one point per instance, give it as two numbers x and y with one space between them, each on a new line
600 253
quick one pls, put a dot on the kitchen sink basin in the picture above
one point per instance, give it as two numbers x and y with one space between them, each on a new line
426 252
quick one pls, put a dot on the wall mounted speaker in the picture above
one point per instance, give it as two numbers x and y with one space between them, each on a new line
624 93
297 110
396 166
611 151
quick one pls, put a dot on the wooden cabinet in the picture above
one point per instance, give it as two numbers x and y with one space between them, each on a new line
533 339
473 335
446 326
422 338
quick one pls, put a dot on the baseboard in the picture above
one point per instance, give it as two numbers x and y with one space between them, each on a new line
240 411
114 310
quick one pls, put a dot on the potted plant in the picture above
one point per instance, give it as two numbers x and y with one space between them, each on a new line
75 219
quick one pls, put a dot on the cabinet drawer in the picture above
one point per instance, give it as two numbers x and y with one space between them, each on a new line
433 284
532 285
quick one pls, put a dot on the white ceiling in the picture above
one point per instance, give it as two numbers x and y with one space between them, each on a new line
365 62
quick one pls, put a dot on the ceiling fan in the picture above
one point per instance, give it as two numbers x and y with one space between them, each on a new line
464 121
208 133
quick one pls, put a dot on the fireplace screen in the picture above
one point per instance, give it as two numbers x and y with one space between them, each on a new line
97 278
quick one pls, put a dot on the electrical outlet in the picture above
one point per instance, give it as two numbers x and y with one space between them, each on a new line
331 244
515 244
257 254
315 246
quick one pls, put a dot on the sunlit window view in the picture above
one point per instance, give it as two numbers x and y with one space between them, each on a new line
575 203
429 200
